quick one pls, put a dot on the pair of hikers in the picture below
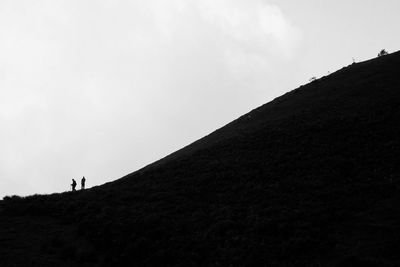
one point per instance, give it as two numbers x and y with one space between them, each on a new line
83 180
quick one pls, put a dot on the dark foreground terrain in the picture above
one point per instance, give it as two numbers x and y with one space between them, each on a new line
309 179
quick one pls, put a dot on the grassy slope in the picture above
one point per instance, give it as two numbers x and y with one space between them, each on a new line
311 178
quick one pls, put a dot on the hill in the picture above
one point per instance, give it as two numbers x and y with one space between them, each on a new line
309 179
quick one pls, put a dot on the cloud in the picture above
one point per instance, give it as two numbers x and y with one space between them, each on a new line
254 25
100 88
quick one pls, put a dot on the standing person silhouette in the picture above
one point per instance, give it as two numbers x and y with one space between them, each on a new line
73 185
83 183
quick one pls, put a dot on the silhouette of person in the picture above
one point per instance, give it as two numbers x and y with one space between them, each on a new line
73 185
83 183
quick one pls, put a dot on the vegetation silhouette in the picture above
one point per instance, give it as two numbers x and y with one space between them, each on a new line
308 179
383 52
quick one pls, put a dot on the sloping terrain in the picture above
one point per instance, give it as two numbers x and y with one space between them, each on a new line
309 179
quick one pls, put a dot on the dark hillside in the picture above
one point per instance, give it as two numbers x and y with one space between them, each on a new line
309 179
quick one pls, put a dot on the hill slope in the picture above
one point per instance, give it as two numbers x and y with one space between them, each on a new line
311 178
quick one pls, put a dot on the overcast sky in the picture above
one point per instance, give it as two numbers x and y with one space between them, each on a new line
101 88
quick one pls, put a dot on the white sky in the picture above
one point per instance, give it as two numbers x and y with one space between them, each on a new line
102 88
